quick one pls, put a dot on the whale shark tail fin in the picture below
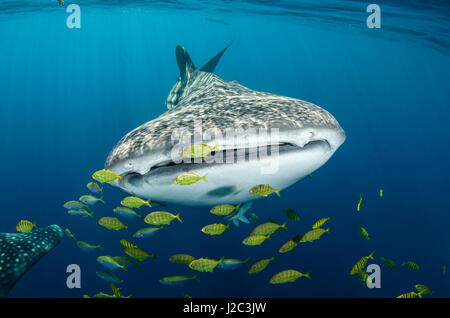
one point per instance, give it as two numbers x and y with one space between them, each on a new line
210 66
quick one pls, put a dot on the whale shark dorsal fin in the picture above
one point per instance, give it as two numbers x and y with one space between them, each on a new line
185 63
210 66
188 74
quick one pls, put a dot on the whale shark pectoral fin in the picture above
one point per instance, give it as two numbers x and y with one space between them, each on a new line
210 66
20 251
185 63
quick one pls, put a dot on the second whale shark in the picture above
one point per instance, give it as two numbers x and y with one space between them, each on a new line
301 138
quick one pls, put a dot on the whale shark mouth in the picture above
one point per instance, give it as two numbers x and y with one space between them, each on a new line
233 156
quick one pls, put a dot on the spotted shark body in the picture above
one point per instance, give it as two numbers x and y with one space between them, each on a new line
149 157
20 251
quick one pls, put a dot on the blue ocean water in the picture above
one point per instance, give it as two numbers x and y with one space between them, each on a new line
68 95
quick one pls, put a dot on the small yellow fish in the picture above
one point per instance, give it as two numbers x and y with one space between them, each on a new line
410 295
138 254
291 215
411 265
263 190
198 151
94 188
161 218
205 264
360 204
364 233
25 226
268 228
112 223
84 246
134 202
116 291
320 222
389 263
423 290
125 243
70 234
188 179
359 266
110 263
183 259
254 240
288 246
82 213
313 235
224 209
90 199
105 175
215 229
288 276
260 265
381 193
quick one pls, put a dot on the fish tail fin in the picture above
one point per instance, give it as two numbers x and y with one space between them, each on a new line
328 230
178 217
238 206
277 192
124 268
308 275
154 256
371 255
196 277
221 260
419 294
91 215
204 178
284 226
273 258
148 203
121 178
126 228
247 260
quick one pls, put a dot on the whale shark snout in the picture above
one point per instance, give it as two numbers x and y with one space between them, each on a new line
261 138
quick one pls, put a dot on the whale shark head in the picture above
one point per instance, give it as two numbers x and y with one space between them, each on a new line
259 138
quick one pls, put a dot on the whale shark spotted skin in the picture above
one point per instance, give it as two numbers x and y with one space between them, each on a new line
307 136
20 251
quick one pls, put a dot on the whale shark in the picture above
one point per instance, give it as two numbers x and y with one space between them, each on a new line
258 137
20 251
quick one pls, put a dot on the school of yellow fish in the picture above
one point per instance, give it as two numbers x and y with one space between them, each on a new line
159 220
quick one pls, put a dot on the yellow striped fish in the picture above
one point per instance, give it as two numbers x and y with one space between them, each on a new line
125 243
359 266
320 222
25 226
410 295
360 204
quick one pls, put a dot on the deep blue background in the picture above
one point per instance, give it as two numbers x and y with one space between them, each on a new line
67 96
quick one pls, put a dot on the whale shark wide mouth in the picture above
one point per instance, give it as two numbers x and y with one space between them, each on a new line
236 156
